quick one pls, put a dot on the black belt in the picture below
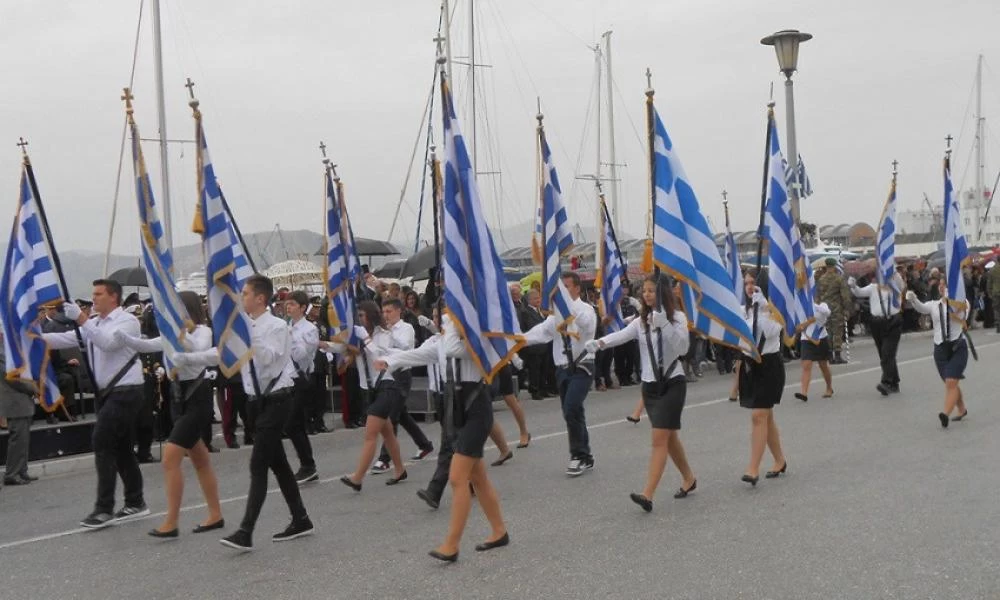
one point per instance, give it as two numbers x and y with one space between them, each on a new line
126 388
279 394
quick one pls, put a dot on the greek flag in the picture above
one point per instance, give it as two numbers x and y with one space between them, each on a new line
29 283
956 250
226 265
338 283
885 246
476 295
684 247
555 237
733 265
803 179
610 273
807 297
788 281
171 316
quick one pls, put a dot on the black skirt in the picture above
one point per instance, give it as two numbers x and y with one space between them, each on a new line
473 418
191 414
951 358
815 352
664 402
761 384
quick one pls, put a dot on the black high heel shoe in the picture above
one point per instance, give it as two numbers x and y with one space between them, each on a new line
752 480
444 557
497 543
633 420
395 480
682 493
779 472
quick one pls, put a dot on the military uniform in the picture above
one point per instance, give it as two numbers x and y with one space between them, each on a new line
832 289
993 288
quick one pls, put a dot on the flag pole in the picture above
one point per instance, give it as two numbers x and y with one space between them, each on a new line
614 234
652 183
56 263
763 208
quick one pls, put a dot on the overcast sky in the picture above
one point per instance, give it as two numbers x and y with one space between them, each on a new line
882 80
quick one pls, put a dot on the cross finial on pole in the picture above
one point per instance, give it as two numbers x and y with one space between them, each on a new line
895 165
948 140
190 86
649 79
23 144
539 115
322 148
127 97
725 195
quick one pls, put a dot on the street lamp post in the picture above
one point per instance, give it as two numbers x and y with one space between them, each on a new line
786 46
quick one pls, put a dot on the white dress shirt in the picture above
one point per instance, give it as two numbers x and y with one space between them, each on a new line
675 343
305 342
822 313
375 346
935 310
198 340
580 330
767 326
880 296
446 345
107 355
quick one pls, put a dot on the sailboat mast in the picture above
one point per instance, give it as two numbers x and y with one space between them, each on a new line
472 86
597 121
978 197
613 187
446 9
162 119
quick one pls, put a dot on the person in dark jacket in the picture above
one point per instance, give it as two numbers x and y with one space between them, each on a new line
17 404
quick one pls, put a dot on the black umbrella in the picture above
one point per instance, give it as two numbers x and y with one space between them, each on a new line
420 263
391 269
369 247
130 276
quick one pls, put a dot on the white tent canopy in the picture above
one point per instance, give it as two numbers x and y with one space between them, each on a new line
294 274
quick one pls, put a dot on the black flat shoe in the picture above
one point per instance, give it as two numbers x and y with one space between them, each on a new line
444 557
779 472
960 417
394 480
644 502
211 526
503 459
802 397
430 500
751 479
525 444
682 493
163 534
944 420
733 399
498 543
346 480
632 419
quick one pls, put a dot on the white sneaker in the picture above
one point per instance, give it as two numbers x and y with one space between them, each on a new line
380 467
575 468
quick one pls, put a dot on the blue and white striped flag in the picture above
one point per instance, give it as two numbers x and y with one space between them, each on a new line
611 270
684 246
885 246
788 270
171 316
29 283
555 238
338 283
733 265
476 294
956 249
806 189
226 265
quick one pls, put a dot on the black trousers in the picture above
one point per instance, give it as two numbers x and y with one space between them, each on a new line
886 334
602 367
534 365
145 420
549 383
269 453
113 439
357 397
439 481
295 424
626 362
235 404
410 425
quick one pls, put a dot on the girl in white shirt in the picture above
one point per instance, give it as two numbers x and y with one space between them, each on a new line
663 341
951 353
815 347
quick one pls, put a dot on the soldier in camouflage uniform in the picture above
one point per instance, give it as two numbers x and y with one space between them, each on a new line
832 289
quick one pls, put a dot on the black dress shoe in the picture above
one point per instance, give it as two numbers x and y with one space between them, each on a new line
444 557
498 543
752 480
525 444
802 397
779 472
31 478
500 461
682 493
346 480
944 420
15 480
163 534
210 527
644 502
882 389
429 499
632 419
961 416
395 480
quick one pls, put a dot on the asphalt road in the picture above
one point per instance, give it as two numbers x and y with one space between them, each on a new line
879 502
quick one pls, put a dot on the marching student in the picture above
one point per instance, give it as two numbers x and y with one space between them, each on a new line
886 326
267 379
761 385
951 353
574 369
472 419
663 341
305 342
192 410
815 347
119 397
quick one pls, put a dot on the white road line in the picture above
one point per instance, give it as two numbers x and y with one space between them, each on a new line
554 434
